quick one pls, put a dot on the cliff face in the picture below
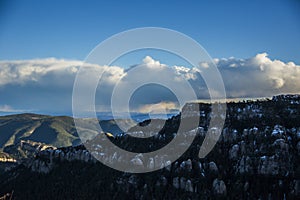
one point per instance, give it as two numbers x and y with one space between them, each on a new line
257 157
251 156
4 157
6 162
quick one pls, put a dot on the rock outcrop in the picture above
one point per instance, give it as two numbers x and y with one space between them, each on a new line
256 157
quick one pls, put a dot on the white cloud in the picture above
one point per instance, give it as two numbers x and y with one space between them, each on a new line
5 108
204 65
160 107
151 63
259 76
46 84
186 72
8 109
20 72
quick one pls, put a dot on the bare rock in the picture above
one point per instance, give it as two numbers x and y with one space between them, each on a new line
219 187
234 151
213 167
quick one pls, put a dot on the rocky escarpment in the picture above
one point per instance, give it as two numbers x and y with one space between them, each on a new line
17 154
27 149
238 166
4 157
6 162
256 157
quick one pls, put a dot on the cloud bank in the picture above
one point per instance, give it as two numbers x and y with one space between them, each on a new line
45 85
259 76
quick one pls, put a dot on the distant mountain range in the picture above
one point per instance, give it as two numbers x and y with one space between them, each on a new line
136 116
59 131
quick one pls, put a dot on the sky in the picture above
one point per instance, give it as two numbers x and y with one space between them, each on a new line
42 44
61 29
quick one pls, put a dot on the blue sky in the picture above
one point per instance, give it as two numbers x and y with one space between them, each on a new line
71 29
42 43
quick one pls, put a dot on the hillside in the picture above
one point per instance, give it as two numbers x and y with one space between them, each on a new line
57 131
256 157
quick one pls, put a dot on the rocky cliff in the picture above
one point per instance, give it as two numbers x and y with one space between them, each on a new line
256 157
